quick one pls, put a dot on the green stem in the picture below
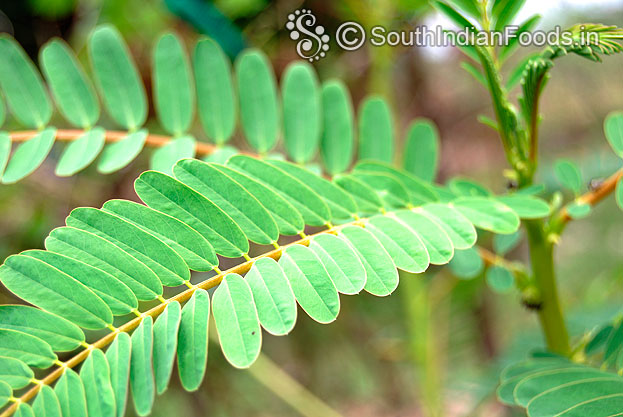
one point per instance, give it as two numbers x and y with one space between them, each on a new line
423 344
550 312
289 390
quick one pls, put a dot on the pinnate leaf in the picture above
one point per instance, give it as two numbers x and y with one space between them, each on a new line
301 112
192 340
273 296
311 284
376 130
421 156
337 135
117 78
236 321
29 156
23 86
174 95
72 90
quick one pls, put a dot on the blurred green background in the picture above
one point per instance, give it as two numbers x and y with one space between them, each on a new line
435 347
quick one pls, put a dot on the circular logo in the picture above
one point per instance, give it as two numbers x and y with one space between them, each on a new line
350 36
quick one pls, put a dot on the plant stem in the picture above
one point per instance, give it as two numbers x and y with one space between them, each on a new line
550 312
111 136
289 390
422 341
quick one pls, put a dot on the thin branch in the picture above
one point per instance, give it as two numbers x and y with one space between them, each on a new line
594 196
493 259
154 141
157 310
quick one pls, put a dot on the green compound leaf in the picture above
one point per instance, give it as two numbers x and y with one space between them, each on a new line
192 340
165 344
390 190
163 159
436 240
402 243
488 214
46 403
79 154
500 279
422 150
119 154
141 370
578 210
365 197
118 357
24 410
466 263
60 334
341 262
504 11
174 198
311 284
114 293
597 343
514 374
231 197
313 209
613 128
193 248
513 43
274 299
174 95
619 193
382 276
337 141
29 349
95 375
221 154
215 91
2 113
100 253
71 396
29 156
5 393
5 151
72 90
419 191
42 285
168 265
288 219
259 107
526 206
376 130
533 385
502 244
468 188
470 7
236 321
23 86
302 117
568 174
459 229
595 396
117 78
14 372
340 203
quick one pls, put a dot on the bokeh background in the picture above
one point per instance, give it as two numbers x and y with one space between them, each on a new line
435 347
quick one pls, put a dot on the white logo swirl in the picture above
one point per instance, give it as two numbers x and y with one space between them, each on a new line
314 43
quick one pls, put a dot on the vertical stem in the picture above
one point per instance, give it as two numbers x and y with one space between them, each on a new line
422 341
550 313
289 390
